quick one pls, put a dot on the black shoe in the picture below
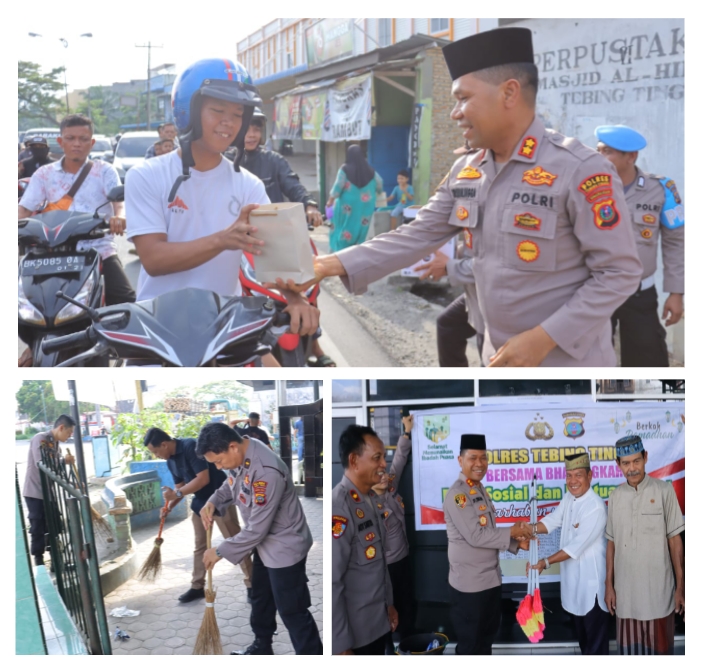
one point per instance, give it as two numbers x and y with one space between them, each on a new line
191 595
248 595
258 647
39 561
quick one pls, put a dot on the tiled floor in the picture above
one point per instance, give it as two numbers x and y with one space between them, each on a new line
167 627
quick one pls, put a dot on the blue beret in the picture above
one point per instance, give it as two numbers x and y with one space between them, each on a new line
621 138
628 446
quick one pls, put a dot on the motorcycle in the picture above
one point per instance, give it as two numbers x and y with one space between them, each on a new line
56 282
187 327
292 350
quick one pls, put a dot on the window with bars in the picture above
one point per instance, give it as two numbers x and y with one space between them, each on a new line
439 25
384 32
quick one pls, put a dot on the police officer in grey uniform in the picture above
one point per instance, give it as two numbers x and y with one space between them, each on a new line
540 214
275 530
656 212
397 544
474 544
363 614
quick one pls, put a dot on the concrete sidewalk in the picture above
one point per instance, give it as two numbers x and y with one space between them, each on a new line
167 627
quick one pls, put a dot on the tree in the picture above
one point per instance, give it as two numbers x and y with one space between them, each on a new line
37 99
229 389
30 402
102 105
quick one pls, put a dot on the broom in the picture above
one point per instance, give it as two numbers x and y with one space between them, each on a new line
208 640
101 527
151 568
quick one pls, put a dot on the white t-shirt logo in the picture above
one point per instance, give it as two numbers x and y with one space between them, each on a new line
234 206
178 206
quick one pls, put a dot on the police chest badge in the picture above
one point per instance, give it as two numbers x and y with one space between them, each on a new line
339 525
606 214
370 536
482 508
462 213
473 492
259 489
646 233
528 251
247 480
230 481
247 463
649 219
385 514
354 495
467 238
360 514
539 177
469 172
483 520
242 498
460 500
370 552
527 222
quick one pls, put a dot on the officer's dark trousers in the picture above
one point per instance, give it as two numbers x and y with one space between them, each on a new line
641 333
452 334
377 647
401 579
37 528
593 631
117 286
284 590
476 619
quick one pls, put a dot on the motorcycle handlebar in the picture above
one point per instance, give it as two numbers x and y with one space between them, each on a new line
80 339
281 319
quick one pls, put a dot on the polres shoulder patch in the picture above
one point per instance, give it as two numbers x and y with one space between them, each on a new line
339 524
673 214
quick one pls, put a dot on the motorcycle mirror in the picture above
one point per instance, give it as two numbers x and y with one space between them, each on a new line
92 313
116 194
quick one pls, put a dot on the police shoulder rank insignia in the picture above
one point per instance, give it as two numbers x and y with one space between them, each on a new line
649 219
483 507
392 489
259 488
469 172
380 505
670 185
354 495
606 214
339 525
370 552
647 233
460 500
462 213
483 520
596 187
527 222
370 536
528 251
392 477
539 177
360 514
470 483
230 481
247 463
528 147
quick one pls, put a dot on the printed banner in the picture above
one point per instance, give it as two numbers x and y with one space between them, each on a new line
313 115
286 123
414 135
347 113
328 40
529 438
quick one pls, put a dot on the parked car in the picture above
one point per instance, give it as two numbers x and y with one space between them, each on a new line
131 149
51 134
102 149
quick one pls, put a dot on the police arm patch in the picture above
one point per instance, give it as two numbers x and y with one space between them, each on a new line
673 215
339 525
259 488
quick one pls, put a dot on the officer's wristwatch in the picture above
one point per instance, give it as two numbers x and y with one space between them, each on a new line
178 493
217 553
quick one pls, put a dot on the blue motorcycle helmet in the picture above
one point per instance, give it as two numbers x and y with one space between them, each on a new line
220 78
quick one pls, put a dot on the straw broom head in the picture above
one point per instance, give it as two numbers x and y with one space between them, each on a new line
151 568
209 641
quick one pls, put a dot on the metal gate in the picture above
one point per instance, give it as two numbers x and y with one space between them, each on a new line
74 560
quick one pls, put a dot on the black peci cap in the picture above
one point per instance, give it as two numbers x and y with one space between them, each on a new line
486 50
473 441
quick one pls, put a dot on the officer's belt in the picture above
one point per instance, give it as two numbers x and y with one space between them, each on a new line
647 283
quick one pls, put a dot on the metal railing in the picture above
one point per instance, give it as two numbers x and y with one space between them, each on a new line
74 560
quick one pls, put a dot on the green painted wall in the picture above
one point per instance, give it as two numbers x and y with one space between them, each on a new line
392 106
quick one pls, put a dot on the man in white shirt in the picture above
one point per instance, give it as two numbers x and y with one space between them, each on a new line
581 516
51 183
189 209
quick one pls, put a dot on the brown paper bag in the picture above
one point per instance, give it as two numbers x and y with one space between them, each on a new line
287 252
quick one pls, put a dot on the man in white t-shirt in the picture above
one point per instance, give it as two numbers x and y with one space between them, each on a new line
582 517
189 209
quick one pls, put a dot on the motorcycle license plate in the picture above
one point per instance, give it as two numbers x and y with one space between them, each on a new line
51 265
